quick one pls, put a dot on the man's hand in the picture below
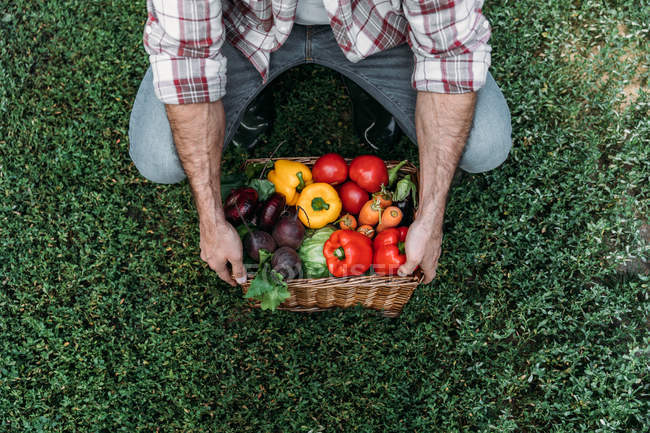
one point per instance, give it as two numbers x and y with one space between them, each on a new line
423 246
442 124
220 246
198 131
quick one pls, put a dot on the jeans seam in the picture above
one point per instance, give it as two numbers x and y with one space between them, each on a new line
367 80
259 90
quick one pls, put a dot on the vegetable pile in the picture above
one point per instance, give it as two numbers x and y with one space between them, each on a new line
333 220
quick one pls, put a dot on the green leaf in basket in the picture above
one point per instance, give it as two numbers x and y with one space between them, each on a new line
264 188
405 187
268 286
255 169
271 299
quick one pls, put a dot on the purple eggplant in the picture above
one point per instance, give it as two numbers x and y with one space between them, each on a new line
286 261
269 211
258 240
240 204
288 231
404 198
406 206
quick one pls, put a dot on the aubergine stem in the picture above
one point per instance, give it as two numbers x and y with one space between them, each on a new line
266 165
393 173
244 221
305 212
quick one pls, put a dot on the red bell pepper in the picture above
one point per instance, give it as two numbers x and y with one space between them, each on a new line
389 250
347 252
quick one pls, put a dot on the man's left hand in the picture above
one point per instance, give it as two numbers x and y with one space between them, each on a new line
423 247
442 124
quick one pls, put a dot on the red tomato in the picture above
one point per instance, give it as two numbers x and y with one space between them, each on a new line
369 172
353 197
330 168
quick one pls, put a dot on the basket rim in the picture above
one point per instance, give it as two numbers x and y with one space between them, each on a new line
408 167
416 277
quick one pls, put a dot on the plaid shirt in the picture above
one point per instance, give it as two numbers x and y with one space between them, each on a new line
449 39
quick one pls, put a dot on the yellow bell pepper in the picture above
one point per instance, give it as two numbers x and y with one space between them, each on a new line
318 205
289 178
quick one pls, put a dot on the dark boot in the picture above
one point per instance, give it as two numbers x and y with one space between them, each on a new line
258 119
372 123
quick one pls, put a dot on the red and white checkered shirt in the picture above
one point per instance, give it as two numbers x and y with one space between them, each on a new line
449 39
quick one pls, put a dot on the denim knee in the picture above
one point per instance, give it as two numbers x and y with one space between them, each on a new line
157 167
153 152
487 152
151 145
490 139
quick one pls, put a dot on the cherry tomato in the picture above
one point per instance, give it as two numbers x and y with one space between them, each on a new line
384 196
369 172
353 197
348 222
330 168
366 230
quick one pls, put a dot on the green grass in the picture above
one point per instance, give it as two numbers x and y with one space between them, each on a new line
537 322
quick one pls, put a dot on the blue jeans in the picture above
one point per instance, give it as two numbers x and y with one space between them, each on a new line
386 76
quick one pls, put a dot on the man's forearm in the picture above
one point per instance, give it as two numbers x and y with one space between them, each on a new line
198 131
442 124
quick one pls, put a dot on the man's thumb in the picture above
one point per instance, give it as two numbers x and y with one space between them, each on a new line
407 268
239 271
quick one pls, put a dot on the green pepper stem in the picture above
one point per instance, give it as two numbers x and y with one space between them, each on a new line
339 253
400 247
301 185
319 204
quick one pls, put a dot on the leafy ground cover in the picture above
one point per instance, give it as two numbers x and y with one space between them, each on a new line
537 322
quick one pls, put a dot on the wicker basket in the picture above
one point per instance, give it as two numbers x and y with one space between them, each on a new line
387 294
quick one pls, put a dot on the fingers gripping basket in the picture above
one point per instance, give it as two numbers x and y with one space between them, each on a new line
387 294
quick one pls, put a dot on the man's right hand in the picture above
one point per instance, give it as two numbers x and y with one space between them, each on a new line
220 245
198 131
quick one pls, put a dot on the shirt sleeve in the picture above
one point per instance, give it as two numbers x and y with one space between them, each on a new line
183 39
449 40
